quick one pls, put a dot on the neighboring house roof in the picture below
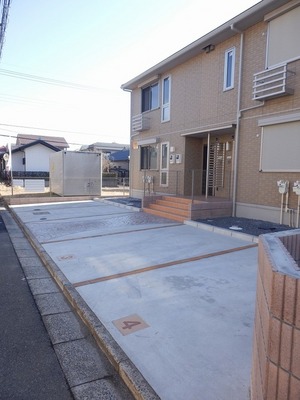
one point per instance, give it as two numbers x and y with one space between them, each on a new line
104 147
58 142
121 155
34 143
237 24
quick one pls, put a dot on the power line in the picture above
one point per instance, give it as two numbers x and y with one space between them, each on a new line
49 81
52 130
8 98
14 136
48 129
52 141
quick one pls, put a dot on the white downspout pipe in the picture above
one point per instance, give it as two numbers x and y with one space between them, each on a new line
298 212
130 143
287 201
281 209
207 165
238 117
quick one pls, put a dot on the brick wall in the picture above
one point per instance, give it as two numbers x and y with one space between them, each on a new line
276 344
292 244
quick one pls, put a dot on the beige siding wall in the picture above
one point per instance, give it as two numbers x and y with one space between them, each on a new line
197 97
255 187
198 100
198 103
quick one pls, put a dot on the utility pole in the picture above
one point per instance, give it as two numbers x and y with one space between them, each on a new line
4 4
4 8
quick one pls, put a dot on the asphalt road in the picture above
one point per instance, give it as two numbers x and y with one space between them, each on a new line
29 368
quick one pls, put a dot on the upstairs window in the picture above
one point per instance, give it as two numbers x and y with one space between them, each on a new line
283 38
166 94
150 97
229 69
149 157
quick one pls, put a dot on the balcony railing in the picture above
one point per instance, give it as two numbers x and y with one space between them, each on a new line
271 83
140 123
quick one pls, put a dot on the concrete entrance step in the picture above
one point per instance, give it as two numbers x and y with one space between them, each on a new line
181 208
162 214
175 208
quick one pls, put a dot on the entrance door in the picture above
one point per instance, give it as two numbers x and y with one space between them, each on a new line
216 167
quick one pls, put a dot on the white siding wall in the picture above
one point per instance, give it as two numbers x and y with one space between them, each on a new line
37 158
17 161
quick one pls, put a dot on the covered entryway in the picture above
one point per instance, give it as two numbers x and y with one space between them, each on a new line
208 179
211 171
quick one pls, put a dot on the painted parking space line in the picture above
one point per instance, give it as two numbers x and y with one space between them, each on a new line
111 233
163 265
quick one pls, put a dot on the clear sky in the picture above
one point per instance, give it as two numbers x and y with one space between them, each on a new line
97 43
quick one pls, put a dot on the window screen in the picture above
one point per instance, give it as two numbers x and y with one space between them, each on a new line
280 148
148 157
283 40
150 97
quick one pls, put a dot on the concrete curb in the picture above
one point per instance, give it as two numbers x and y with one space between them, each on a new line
133 379
10 200
222 231
121 205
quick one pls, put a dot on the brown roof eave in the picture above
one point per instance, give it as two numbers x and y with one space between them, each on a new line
241 22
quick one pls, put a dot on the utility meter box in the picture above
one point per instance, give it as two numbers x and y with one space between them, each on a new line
296 188
148 179
178 158
283 186
75 173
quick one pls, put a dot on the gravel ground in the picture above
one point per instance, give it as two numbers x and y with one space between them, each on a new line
128 201
250 226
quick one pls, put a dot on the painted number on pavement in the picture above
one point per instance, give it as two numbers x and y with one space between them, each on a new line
130 324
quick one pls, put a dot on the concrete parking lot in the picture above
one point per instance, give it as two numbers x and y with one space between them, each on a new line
178 299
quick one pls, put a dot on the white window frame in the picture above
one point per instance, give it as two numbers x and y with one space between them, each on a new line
166 105
164 170
229 52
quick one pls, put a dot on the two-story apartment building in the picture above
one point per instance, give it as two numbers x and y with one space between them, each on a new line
220 119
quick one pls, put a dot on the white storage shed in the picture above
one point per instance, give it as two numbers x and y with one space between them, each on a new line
75 173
